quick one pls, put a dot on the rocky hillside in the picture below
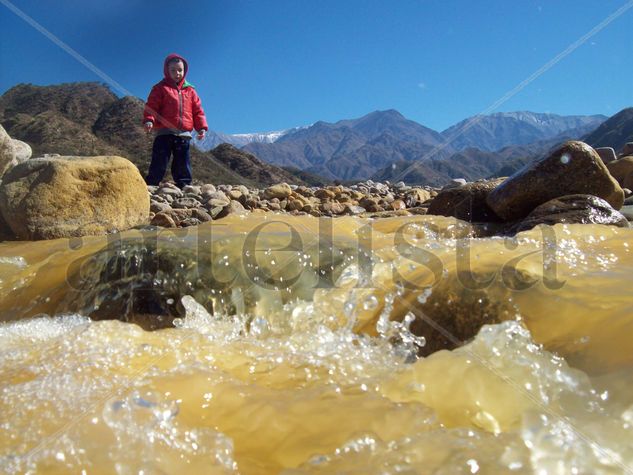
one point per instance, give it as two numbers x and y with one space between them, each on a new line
89 119
615 132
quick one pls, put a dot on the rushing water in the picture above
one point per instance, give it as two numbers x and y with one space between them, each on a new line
306 346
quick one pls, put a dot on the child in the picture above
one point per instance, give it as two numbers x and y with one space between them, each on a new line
173 110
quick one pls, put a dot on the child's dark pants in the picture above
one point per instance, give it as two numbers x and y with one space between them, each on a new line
164 146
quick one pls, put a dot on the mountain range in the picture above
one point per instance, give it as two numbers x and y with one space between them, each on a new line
368 147
89 119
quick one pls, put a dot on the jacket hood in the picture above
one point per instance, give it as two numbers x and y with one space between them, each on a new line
166 72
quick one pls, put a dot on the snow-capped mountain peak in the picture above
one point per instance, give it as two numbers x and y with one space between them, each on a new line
213 139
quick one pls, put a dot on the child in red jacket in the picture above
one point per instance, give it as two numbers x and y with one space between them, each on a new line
173 110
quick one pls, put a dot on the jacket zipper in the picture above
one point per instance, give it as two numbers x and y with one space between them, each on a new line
179 109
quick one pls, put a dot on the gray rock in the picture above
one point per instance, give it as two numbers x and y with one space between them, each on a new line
627 211
207 188
233 208
607 154
353 209
455 182
215 195
183 203
23 151
156 207
193 189
242 189
169 191
7 151
201 215
214 203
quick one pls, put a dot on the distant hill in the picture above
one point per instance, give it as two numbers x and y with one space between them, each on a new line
615 132
471 164
89 119
495 131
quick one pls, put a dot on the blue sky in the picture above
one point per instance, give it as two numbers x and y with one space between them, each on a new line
267 65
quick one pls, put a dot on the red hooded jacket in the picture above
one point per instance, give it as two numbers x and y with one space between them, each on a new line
174 106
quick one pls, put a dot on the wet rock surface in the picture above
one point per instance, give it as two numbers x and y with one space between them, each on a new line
466 202
573 209
573 168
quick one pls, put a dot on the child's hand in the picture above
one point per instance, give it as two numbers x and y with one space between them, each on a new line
148 126
201 134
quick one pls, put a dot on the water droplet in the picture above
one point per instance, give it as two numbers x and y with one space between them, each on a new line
370 303
259 327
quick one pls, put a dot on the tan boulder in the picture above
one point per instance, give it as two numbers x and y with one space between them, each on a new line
324 194
627 149
416 197
163 220
397 204
622 170
280 191
47 198
573 168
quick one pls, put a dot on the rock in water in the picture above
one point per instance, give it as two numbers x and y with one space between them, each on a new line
48 198
574 168
622 171
573 209
7 151
466 202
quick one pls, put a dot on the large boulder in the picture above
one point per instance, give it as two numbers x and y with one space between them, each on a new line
466 202
7 151
622 171
573 168
47 198
573 209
